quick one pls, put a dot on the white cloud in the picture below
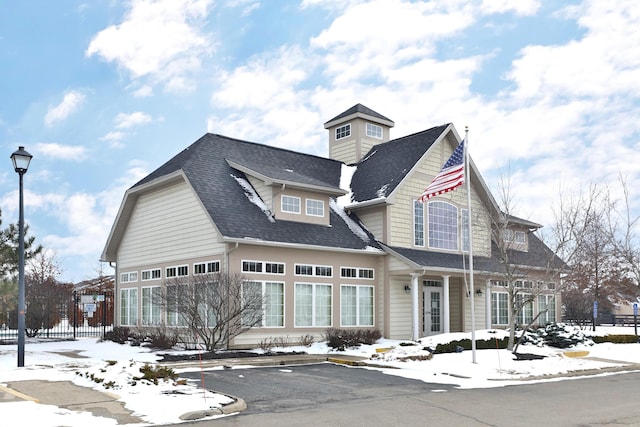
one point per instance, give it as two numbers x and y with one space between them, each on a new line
161 39
70 103
64 152
114 138
126 121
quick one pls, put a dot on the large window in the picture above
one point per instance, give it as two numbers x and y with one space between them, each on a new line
356 305
151 305
176 305
313 304
499 308
128 307
271 313
443 226
547 302
418 223
290 204
525 315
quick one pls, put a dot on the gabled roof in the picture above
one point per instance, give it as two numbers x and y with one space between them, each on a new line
387 164
359 110
224 191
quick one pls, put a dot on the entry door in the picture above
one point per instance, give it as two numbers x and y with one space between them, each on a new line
432 312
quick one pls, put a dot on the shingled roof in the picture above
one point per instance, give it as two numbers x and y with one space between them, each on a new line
384 167
208 166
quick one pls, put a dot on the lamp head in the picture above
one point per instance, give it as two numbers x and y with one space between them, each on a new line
21 160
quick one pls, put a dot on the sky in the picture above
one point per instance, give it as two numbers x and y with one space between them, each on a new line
101 93
118 364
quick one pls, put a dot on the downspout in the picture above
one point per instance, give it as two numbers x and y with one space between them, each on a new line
228 273
116 301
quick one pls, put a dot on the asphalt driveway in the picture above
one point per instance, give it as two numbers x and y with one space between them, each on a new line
291 388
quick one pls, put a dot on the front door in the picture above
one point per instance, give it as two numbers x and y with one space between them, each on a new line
432 312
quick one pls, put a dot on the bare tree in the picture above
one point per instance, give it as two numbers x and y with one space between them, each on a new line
523 283
212 308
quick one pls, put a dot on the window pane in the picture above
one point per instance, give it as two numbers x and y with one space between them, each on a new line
365 305
348 306
274 304
443 226
323 305
418 223
304 304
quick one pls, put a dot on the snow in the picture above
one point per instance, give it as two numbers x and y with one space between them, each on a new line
346 174
355 228
253 197
81 360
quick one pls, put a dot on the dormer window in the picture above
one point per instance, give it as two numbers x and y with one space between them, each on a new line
315 207
374 131
291 204
343 131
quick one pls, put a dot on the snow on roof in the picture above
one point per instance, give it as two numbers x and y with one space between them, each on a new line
355 228
253 196
346 173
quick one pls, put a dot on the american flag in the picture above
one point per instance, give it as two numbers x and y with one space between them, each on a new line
450 176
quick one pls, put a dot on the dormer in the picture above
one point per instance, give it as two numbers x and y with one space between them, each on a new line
354 132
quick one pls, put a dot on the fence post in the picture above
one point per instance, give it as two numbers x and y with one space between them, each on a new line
75 313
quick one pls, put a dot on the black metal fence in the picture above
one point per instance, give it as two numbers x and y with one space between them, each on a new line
66 314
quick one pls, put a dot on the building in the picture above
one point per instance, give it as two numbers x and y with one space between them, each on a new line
335 242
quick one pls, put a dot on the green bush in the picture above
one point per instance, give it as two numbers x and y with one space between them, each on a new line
340 339
465 344
154 373
616 339
119 334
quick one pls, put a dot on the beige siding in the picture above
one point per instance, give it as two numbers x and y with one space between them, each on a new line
400 311
479 308
302 216
264 191
166 225
455 304
374 221
291 257
401 212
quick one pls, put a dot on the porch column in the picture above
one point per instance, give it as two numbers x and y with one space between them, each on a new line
487 303
415 304
445 304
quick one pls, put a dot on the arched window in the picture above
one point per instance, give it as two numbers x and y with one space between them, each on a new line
443 226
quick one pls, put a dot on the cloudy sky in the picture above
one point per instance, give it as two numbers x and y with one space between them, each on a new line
102 92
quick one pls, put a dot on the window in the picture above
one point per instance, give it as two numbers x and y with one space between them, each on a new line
260 267
129 307
519 237
129 277
551 285
252 266
274 267
502 283
315 207
547 302
507 235
499 308
348 272
183 270
374 131
312 305
151 274
443 226
291 204
525 315
314 270
365 273
356 305
343 131
151 305
271 312
171 272
465 230
418 223
206 267
176 305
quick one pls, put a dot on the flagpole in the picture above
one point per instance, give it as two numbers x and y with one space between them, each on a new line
472 293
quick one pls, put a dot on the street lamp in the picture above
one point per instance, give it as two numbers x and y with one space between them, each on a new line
21 160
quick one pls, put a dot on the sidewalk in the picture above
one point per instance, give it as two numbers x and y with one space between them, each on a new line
65 394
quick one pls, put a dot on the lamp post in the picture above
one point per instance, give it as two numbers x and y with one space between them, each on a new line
21 160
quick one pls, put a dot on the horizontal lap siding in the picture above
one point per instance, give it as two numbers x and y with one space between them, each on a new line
400 319
167 225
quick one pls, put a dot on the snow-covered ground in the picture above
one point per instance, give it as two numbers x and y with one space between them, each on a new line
112 367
